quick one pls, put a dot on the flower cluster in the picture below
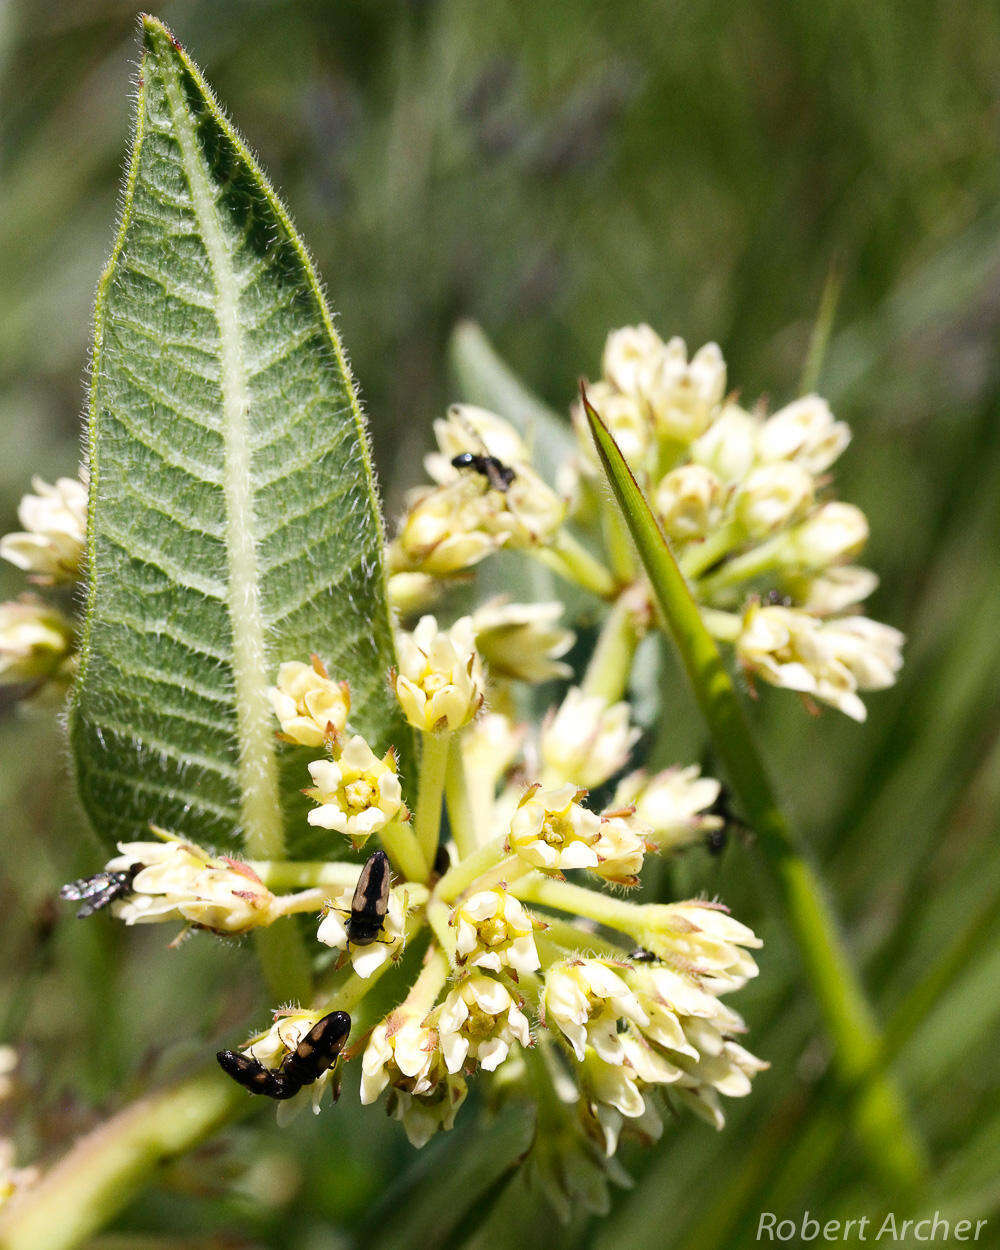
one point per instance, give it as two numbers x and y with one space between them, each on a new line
37 638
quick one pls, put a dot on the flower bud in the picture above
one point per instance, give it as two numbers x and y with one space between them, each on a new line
440 680
586 741
35 641
585 999
687 501
309 706
621 848
834 590
729 445
772 496
522 640
834 533
671 804
630 358
683 396
55 521
803 431
410 593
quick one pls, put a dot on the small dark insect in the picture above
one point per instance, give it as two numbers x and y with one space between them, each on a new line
316 1052
642 956
371 898
99 890
442 860
716 840
499 475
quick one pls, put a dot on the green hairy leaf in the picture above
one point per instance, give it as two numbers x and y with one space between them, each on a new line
233 516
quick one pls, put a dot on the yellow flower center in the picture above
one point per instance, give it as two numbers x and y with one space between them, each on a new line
492 932
360 794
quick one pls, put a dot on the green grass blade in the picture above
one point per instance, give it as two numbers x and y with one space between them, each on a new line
233 520
880 1118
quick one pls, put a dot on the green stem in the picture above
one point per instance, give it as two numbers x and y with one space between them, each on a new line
613 913
881 1121
461 817
433 766
426 988
760 559
438 917
305 900
290 874
403 849
571 937
697 559
102 1171
610 666
482 865
565 556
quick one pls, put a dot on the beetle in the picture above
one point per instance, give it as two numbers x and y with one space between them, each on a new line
499 475
642 956
371 899
100 890
318 1050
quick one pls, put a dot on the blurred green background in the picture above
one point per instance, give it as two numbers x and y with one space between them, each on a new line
553 171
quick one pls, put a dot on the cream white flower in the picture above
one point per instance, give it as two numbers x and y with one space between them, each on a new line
388 945
493 931
630 358
450 528
403 1053
671 804
586 740
358 793
729 1073
431 1111
55 524
835 532
683 396
621 847
180 881
476 430
410 593
803 431
480 1020
440 680
688 502
831 660
833 591
309 706
701 935
551 830
272 1047
772 496
522 640
585 999
729 446
35 641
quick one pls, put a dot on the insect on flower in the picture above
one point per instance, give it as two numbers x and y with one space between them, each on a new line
499 475
317 1051
100 890
371 899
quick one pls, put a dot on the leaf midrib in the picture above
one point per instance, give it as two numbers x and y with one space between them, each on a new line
260 800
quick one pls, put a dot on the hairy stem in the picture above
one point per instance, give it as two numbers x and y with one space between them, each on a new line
461 817
610 666
433 767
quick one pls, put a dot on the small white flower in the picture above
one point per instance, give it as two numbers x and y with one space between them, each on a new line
772 496
834 533
834 590
55 523
432 1111
729 446
493 931
410 593
671 804
35 641
365 960
522 640
440 680
627 418
180 881
358 793
586 740
551 830
683 396
476 430
703 936
480 1020
621 848
630 358
586 999
688 502
309 706
271 1049
450 528
803 431
831 660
